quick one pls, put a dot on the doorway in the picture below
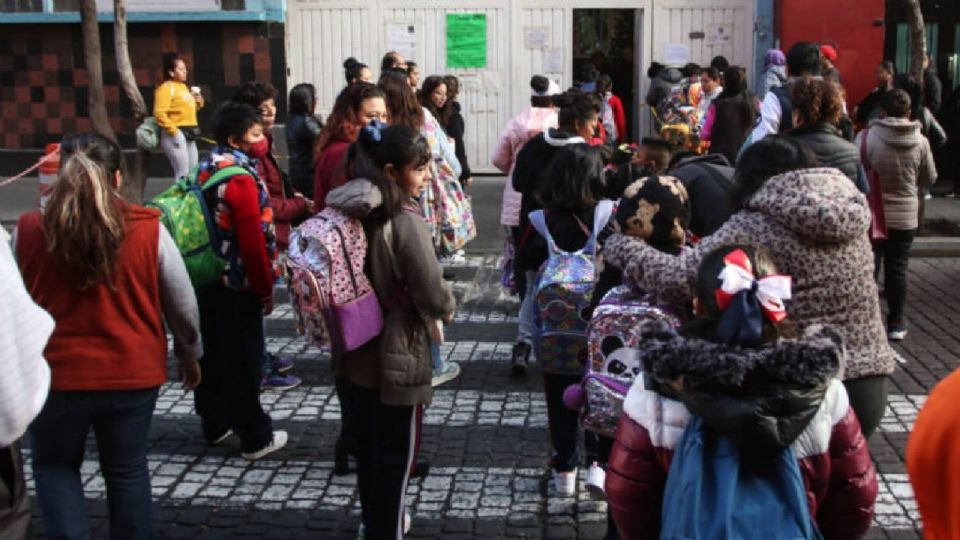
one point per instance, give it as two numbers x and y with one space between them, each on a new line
605 40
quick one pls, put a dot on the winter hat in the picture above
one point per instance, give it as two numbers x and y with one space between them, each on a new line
774 57
553 89
656 209
829 51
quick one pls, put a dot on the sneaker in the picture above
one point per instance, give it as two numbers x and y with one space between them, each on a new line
279 441
445 373
222 438
520 358
279 382
594 482
927 196
280 364
565 483
897 332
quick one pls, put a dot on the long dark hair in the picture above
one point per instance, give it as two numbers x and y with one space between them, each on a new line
303 98
83 219
344 117
401 101
367 158
735 86
576 179
774 155
430 84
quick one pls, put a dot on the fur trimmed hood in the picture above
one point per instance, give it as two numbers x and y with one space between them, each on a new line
760 398
357 198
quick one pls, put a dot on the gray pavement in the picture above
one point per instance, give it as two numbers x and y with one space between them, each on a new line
485 433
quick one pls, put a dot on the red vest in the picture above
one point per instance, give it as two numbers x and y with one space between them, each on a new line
105 338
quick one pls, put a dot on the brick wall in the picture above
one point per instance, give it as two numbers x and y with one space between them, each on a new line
43 80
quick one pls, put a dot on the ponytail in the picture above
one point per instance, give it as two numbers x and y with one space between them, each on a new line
83 222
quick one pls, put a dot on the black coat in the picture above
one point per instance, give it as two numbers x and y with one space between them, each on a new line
709 182
730 125
529 170
831 149
302 131
455 128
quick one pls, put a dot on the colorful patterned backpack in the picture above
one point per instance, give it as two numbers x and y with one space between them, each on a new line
187 216
614 359
445 206
563 296
335 303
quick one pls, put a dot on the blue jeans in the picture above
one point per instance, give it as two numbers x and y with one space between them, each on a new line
120 420
435 353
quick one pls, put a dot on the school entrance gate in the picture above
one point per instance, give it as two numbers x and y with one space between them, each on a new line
522 38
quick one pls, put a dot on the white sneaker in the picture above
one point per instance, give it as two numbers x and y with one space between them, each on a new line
447 372
565 483
223 438
594 482
406 522
279 441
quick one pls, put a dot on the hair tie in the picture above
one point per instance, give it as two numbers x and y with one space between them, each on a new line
745 300
374 129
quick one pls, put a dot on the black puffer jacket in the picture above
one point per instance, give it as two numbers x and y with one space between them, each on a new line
302 131
831 148
709 182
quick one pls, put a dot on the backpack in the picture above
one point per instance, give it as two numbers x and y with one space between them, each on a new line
562 298
606 117
188 218
334 301
711 493
614 359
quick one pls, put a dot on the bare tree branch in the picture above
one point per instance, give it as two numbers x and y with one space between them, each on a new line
92 54
917 37
137 178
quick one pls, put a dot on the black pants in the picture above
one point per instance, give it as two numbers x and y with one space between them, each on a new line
388 437
893 254
347 441
565 426
868 398
231 323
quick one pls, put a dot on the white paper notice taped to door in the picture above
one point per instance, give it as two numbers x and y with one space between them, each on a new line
553 60
676 54
719 33
402 37
536 37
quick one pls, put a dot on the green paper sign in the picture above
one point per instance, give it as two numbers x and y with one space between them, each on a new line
466 40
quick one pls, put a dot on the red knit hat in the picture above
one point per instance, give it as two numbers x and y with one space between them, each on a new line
829 51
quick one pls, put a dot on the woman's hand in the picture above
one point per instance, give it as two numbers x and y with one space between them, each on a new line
189 374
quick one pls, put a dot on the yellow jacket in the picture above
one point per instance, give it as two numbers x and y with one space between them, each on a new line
174 106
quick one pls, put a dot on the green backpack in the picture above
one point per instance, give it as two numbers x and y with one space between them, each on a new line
186 215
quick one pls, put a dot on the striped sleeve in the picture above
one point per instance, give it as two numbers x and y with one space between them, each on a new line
24 331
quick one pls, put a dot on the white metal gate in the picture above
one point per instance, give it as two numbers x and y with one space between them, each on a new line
707 27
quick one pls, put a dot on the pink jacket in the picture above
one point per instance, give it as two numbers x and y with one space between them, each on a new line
521 129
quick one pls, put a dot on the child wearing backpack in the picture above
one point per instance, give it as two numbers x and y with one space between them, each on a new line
385 383
565 238
232 307
736 428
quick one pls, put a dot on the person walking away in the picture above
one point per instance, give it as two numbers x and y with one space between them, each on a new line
612 115
288 207
896 149
455 126
577 120
302 129
734 371
232 309
355 71
818 107
708 180
662 84
175 108
932 87
932 455
24 331
814 224
871 107
387 382
731 116
774 72
356 106
776 111
110 276
572 217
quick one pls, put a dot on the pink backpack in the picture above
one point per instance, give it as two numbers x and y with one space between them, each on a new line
334 301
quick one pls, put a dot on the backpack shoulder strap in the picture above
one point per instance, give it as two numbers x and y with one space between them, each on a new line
786 108
601 215
538 218
219 177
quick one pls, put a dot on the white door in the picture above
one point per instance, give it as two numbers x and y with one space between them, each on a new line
707 27
543 45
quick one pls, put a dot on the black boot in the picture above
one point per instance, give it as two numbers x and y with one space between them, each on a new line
421 467
520 359
341 460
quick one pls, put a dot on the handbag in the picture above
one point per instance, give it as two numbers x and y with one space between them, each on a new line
190 133
148 134
878 220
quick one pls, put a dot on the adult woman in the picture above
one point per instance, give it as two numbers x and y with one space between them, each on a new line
355 71
455 126
817 107
433 97
175 109
109 274
355 107
386 383
731 117
302 131
413 75
814 224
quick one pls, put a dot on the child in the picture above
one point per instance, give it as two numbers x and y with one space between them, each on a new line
734 367
232 310
386 383
575 189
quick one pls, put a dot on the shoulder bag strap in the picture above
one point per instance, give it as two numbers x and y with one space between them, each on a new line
601 215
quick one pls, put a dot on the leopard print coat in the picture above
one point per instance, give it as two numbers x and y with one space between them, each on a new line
814 224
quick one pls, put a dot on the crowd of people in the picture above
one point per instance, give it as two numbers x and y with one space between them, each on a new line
737 271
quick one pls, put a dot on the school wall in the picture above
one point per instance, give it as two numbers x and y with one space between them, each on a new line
43 78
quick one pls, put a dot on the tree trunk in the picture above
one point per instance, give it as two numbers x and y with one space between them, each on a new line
92 54
918 40
137 179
